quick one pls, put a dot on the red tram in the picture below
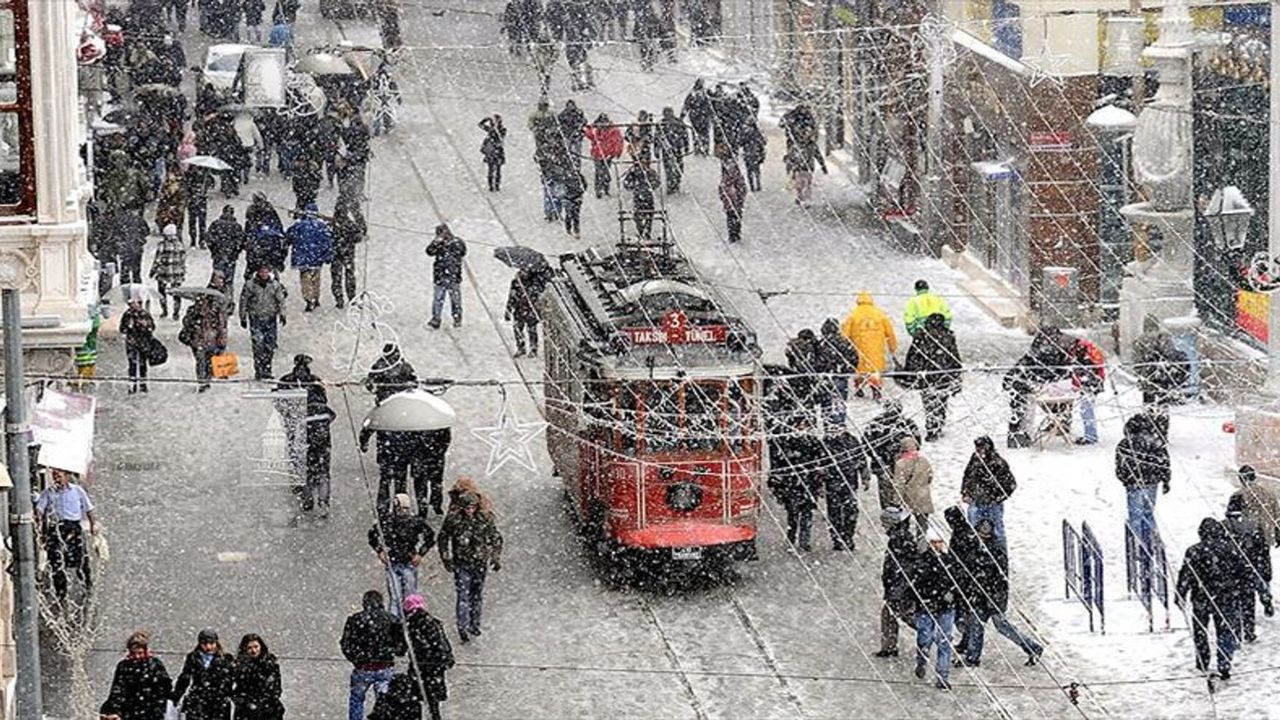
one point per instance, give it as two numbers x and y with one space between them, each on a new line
653 400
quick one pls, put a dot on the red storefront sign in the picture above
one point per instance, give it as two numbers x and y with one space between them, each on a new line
676 330
1050 140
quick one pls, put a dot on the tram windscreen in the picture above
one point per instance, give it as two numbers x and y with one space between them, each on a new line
687 416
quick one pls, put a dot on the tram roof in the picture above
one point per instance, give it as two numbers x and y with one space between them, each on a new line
643 308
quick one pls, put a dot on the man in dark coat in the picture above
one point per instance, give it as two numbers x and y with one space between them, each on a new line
987 483
901 554
1161 367
226 242
391 373
522 310
933 581
319 449
697 108
845 471
349 230
796 481
1046 362
130 232
753 154
983 576
1207 577
446 274
401 540
1246 543
571 122
426 467
733 192
1142 466
206 680
673 143
883 439
934 361
371 641
838 359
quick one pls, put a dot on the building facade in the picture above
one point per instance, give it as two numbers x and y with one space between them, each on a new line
43 189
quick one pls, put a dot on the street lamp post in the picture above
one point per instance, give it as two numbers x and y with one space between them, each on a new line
17 438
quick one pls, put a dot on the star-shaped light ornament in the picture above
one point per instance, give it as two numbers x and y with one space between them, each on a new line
1049 68
509 440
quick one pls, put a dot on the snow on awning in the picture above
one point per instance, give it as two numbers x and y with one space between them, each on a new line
992 170
974 45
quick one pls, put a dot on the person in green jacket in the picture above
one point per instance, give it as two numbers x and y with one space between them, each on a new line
923 304
469 543
87 354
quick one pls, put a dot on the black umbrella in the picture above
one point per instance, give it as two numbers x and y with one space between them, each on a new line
522 258
122 117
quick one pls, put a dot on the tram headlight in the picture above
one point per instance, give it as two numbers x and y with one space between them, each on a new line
684 497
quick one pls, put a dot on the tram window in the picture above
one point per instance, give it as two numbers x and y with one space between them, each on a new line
628 424
597 402
661 416
702 408
739 413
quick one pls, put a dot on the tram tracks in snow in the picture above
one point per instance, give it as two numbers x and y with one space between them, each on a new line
738 610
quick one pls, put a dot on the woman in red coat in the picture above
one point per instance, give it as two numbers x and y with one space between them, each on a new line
606 146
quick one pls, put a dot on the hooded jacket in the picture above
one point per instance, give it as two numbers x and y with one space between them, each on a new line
987 478
430 652
1207 572
837 353
870 331
310 241
448 252
933 357
913 479
883 439
1142 457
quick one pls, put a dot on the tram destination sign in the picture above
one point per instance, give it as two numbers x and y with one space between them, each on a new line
676 330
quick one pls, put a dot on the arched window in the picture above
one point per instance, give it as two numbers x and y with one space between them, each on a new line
17 144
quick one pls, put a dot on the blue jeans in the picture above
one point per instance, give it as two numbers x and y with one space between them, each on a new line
402 581
468 582
455 301
263 334
975 631
994 513
361 681
837 403
931 629
1142 506
1087 417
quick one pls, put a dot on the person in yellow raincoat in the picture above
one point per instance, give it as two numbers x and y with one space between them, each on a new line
870 331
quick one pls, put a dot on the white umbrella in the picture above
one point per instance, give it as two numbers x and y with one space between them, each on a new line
410 411
207 161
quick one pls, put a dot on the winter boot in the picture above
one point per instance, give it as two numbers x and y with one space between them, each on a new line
886 653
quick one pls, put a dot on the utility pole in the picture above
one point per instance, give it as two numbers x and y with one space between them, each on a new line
17 438
933 30
1273 215
1140 79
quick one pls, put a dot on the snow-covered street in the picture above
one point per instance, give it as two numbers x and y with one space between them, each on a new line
200 539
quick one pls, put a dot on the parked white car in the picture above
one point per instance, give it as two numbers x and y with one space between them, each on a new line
221 63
